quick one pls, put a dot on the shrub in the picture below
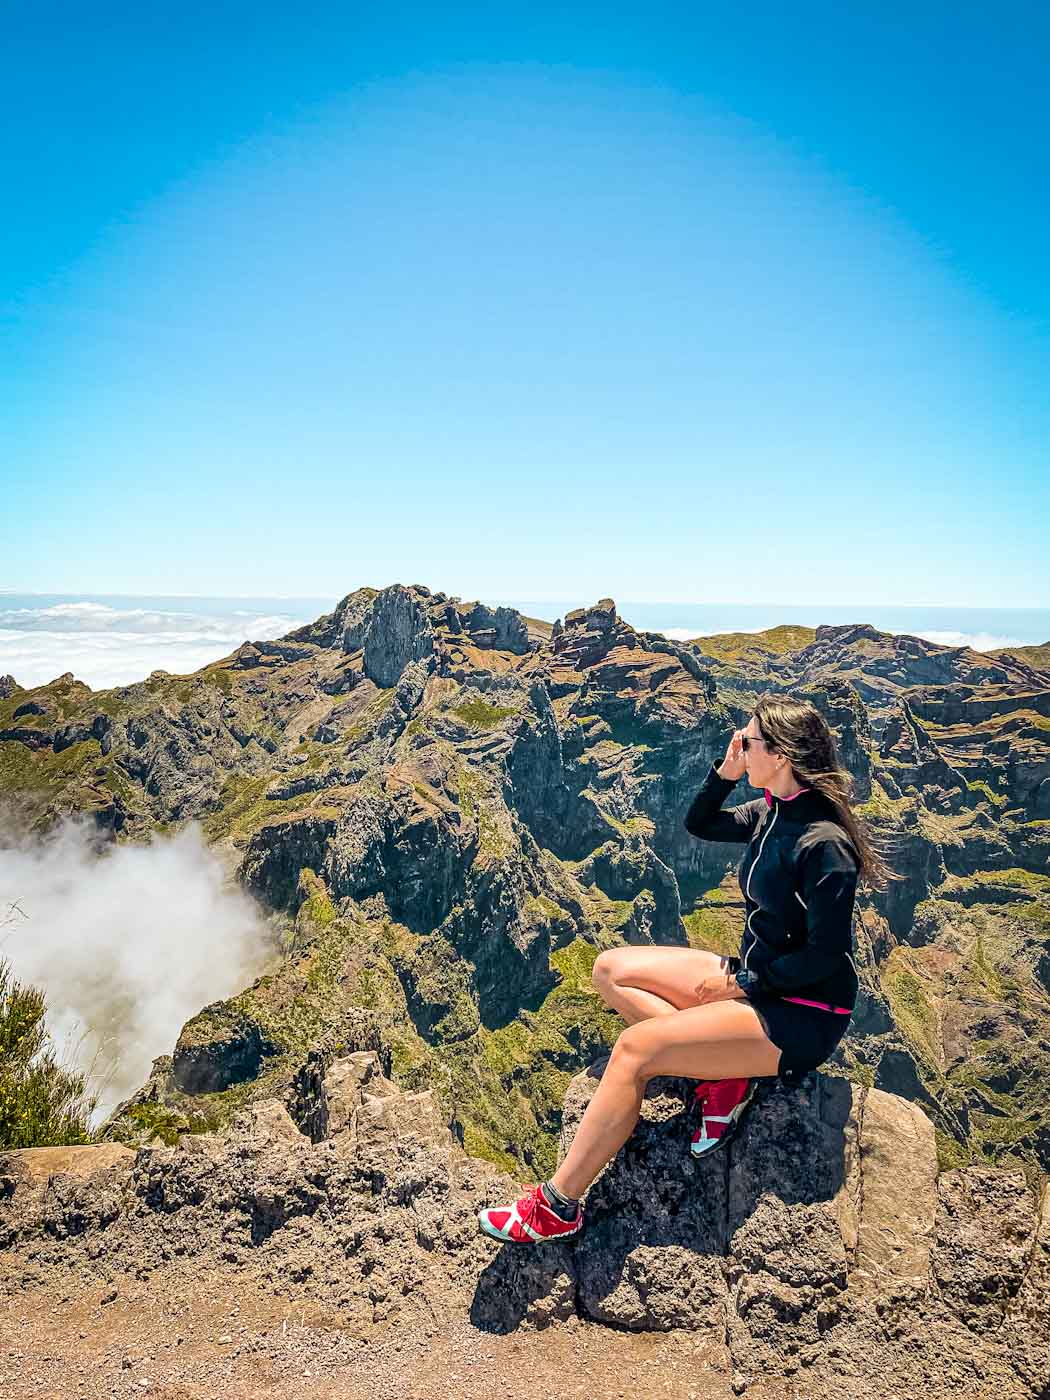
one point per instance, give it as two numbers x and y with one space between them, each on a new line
42 1103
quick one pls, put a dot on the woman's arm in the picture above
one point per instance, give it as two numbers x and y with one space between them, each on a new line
705 819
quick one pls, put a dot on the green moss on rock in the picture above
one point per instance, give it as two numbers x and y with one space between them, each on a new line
477 714
912 1010
716 930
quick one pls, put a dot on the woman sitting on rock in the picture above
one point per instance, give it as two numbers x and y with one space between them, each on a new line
778 1009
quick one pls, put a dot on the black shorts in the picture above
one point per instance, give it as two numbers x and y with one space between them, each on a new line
805 1035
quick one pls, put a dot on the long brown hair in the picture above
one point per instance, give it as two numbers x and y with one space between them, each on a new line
798 730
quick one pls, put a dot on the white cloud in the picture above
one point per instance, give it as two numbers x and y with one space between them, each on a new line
127 945
107 646
93 617
979 641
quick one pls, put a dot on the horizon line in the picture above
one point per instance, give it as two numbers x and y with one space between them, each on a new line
627 602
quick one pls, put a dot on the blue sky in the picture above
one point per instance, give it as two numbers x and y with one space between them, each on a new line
661 302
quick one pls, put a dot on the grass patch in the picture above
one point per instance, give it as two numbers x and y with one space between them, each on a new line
1014 878
997 799
244 808
477 714
883 808
717 930
220 678
774 641
476 804
36 779
912 1010
951 1154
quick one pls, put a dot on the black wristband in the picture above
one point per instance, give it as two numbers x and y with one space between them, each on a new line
747 980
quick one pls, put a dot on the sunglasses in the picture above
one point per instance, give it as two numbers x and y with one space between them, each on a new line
746 740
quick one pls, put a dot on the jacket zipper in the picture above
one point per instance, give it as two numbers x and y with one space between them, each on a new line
747 887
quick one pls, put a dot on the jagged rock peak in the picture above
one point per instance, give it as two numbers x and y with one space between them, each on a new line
246 656
601 616
8 686
588 634
847 632
398 631
501 628
402 623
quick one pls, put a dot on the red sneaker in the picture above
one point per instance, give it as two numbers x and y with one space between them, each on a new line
529 1220
722 1103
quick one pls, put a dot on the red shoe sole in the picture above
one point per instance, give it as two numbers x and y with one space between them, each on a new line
546 1239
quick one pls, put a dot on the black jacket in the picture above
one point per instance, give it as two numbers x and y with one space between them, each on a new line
799 881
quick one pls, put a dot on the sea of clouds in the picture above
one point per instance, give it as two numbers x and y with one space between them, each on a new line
127 943
108 645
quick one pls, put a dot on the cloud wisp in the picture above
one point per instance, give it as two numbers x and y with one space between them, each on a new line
127 944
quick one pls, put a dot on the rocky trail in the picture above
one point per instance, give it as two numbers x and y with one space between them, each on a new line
211 1343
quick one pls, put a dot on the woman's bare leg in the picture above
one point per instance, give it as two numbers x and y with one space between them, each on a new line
641 982
721 1040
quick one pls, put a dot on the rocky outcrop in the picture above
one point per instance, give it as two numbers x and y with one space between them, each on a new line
629 869
820 1245
373 1216
217 1048
398 632
822 1241
498 629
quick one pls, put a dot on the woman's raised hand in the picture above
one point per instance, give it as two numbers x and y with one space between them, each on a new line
734 765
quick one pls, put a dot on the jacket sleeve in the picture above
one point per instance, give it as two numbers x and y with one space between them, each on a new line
829 872
708 822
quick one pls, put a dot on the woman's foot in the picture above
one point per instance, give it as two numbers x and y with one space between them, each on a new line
722 1104
529 1221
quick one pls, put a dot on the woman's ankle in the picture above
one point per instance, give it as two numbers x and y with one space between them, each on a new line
564 1206
562 1191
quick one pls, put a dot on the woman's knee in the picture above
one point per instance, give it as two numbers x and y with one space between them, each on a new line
606 966
634 1050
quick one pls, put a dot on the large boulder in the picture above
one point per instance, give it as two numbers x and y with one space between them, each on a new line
822 1239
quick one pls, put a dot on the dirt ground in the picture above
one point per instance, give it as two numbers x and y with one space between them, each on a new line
133 1339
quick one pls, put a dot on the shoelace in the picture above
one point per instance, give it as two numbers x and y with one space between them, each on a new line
528 1205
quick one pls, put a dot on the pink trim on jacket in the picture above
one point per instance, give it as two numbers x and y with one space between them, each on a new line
769 796
823 1006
